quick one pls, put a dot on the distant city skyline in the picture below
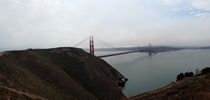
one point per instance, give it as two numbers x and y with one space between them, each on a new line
120 23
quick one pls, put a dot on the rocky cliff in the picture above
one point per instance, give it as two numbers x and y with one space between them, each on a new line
58 74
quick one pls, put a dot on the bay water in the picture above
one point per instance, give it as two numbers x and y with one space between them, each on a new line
146 73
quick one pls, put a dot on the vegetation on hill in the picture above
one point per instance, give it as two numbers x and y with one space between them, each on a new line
60 74
205 71
183 75
189 88
12 94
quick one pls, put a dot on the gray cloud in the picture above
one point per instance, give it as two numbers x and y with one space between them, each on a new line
50 23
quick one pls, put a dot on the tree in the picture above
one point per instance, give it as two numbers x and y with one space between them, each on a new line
188 74
205 70
180 77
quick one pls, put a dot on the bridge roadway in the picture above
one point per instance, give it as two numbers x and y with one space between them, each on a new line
126 52
115 54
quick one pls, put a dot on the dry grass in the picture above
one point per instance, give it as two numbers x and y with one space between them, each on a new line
1 53
13 94
194 88
60 74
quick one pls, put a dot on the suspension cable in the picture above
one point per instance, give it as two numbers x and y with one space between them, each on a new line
106 44
81 42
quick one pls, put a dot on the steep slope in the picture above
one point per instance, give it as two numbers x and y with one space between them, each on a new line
193 88
12 94
60 74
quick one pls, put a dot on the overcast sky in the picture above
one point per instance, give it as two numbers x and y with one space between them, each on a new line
53 23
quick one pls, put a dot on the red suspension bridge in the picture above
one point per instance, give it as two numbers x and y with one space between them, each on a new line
148 50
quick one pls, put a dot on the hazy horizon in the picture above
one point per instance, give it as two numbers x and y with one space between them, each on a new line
120 23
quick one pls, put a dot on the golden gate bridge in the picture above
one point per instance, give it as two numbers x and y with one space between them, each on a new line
148 50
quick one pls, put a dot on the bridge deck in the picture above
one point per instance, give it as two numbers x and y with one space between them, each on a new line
115 54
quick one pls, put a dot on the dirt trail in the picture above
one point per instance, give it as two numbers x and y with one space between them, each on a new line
32 96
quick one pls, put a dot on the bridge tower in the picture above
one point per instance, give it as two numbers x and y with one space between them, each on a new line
91 43
150 50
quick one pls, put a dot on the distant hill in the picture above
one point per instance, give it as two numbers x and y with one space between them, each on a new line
156 48
58 74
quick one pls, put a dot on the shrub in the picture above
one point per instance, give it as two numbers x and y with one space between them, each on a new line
188 74
180 77
205 70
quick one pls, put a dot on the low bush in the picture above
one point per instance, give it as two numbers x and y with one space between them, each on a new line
189 74
183 75
180 77
205 71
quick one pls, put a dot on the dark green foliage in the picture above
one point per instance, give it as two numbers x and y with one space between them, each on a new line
205 71
180 77
186 74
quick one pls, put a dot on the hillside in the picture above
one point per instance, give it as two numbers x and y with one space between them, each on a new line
191 88
59 74
12 94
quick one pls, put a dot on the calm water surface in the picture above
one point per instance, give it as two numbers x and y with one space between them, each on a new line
146 73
